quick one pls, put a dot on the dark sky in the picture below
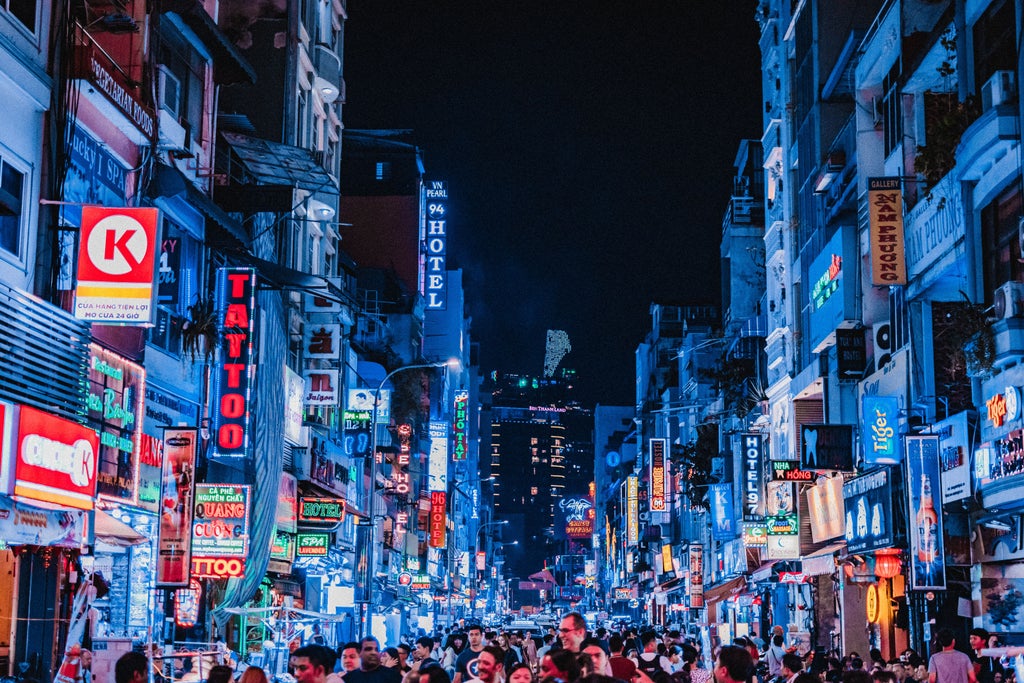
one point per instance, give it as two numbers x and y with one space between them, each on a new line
588 148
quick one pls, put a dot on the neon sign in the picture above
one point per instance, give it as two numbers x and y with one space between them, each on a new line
460 426
233 373
828 283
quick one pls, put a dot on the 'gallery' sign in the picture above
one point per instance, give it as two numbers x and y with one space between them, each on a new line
885 203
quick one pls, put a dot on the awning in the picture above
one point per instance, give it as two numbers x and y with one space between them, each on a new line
113 531
227 233
763 573
229 66
821 561
274 164
725 590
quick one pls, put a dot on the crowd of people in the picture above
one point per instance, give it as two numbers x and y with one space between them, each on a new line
569 653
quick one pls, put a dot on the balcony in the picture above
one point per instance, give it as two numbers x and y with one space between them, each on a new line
984 153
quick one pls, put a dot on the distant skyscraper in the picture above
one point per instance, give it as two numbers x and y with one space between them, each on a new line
554 351
541 450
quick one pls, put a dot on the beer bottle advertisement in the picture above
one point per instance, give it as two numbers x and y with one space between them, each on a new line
927 555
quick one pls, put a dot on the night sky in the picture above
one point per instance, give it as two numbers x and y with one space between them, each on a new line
588 148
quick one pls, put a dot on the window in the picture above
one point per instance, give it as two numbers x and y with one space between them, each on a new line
24 11
994 42
12 185
188 67
1001 246
383 171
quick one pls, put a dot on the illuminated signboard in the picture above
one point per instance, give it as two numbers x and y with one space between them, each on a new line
460 426
878 430
220 527
115 400
312 544
437 462
927 566
868 502
826 447
780 508
578 513
722 527
1004 407
827 283
234 366
632 510
283 547
118 250
55 459
755 535
174 539
623 593
696 588
657 474
885 206
420 582
753 477
329 510
436 244
667 567
437 518
789 470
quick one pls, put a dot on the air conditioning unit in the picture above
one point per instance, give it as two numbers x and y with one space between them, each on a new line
169 90
1008 301
1000 89
881 335
877 111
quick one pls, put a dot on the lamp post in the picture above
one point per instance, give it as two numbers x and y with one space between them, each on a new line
366 604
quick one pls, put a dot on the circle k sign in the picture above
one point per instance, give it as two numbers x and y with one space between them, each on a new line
117 256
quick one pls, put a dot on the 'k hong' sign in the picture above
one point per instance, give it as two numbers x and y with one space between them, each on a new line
233 372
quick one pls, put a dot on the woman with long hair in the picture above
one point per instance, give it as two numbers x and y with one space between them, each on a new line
453 647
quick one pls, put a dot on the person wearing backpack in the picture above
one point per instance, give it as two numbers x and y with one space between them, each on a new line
656 666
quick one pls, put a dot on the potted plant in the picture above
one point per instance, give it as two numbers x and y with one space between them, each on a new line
199 331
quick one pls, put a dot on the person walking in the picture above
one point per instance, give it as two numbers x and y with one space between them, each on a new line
950 665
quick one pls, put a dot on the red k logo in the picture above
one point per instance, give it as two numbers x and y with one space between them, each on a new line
117 244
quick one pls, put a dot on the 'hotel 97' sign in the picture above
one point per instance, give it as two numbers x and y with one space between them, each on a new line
232 385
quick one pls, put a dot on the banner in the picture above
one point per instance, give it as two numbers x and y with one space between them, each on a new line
658 480
723 519
117 254
632 510
437 460
22 524
174 540
695 591
885 204
879 430
868 502
826 510
927 555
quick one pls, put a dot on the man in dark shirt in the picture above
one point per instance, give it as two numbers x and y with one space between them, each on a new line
465 665
985 668
370 670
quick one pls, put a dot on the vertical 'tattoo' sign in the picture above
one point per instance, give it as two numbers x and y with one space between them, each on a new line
232 385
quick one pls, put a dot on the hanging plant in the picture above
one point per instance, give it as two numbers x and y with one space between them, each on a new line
199 331
972 338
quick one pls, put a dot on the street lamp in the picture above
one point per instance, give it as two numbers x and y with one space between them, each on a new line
366 604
